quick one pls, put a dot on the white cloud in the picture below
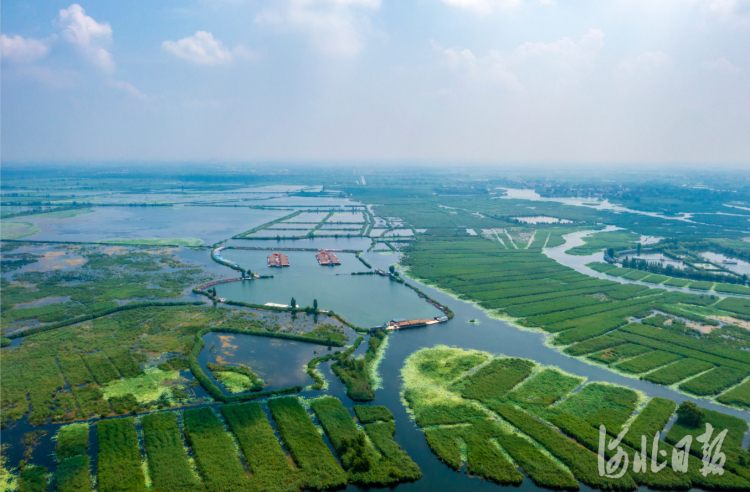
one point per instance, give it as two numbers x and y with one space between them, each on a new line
491 68
564 50
722 65
333 26
242 51
90 37
484 6
129 89
644 65
22 50
201 48
545 61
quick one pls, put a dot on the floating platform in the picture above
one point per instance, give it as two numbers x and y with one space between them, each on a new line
326 258
278 260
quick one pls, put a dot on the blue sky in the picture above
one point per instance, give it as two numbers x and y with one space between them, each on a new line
496 81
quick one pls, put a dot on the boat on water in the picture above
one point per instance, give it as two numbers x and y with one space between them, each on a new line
729 262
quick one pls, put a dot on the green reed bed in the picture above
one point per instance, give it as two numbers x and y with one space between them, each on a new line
616 354
119 458
236 379
678 371
101 368
444 364
472 444
551 306
272 471
72 440
676 349
428 411
677 282
33 478
495 379
592 345
580 461
536 465
588 436
372 413
590 327
74 474
75 371
91 400
381 436
652 419
73 463
739 396
736 457
168 464
648 362
600 403
214 452
600 309
708 347
545 388
124 361
361 460
301 438
714 381
720 421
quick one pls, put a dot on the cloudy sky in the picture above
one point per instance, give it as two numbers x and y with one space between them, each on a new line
496 81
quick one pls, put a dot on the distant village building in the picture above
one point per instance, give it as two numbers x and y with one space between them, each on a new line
278 260
327 258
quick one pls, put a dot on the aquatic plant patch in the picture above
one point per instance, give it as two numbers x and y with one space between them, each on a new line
217 461
91 400
738 396
495 378
236 379
714 381
304 443
101 367
119 459
620 352
482 456
582 462
592 345
74 370
678 371
146 388
372 413
167 459
601 404
545 388
74 474
33 478
444 364
358 456
648 362
270 467
584 433
72 440
124 362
